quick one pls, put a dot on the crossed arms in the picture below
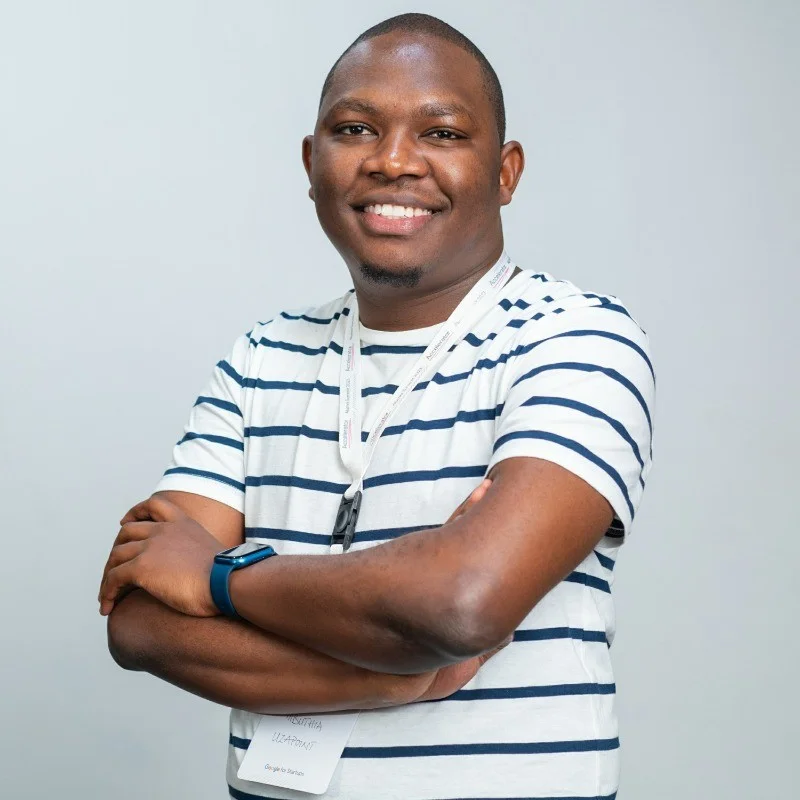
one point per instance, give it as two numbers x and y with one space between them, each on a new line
410 620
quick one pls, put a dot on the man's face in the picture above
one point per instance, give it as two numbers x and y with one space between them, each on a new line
405 162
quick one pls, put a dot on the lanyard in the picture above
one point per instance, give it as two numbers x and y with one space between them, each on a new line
356 455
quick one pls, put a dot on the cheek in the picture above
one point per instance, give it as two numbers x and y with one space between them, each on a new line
467 182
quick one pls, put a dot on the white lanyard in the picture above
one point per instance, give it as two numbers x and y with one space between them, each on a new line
356 455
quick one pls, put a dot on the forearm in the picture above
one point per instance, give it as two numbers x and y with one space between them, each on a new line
401 607
238 665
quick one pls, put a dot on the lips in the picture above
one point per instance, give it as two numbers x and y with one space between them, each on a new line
393 225
401 217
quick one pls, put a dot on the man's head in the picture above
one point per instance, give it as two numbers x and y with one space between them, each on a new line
407 164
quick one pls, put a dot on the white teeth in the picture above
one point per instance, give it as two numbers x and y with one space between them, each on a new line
388 210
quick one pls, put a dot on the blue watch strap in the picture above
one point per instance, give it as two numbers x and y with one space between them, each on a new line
225 563
220 576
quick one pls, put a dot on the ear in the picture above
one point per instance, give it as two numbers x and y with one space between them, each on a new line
512 162
308 146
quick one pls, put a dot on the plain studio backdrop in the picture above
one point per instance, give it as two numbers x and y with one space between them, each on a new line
153 206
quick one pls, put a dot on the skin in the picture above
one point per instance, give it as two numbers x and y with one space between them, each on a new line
238 665
432 600
408 118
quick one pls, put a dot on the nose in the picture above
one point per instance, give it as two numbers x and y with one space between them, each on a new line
396 154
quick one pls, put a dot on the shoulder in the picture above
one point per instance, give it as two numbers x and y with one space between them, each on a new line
550 310
300 326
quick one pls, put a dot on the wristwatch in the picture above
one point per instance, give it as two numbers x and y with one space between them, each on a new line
243 555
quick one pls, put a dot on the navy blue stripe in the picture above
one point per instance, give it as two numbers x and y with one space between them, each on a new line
306 537
423 475
489 748
547 634
438 378
581 367
614 337
238 742
412 476
367 350
291 347
238 794
560 797
298 386
591 411
296 482
230 371
316 320
295 430
213 401
484 363
588 580
520 692
210 437
373 349
607 562
393 430
390 388
486 748
479 415
205 474
576 447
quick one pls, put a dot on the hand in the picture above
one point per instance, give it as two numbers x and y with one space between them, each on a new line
450 679
164 552
475 497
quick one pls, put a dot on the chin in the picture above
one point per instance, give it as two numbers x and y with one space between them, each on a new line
403 277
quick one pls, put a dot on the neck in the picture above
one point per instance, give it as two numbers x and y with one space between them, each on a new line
392 309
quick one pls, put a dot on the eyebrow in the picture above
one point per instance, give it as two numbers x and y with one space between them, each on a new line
425 111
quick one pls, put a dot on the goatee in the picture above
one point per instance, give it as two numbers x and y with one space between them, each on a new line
405 279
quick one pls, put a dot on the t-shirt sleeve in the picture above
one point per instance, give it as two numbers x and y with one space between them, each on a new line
581 394
209 458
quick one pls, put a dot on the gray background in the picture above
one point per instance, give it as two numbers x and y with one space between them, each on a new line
153 206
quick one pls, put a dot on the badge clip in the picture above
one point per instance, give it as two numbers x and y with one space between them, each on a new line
346 517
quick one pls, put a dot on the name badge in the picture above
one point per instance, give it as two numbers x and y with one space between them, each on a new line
298 751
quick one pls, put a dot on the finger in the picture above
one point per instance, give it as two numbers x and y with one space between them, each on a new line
135 532
119 554
129 532
155 508
479 492
138 512
486 656
117 581
162 510
124 552
474 497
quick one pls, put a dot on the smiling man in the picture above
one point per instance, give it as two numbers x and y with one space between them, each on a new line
342 438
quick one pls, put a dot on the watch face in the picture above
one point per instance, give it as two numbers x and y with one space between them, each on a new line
243 549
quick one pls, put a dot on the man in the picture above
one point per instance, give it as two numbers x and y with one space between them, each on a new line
534 402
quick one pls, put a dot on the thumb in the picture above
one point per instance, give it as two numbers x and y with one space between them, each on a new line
474 498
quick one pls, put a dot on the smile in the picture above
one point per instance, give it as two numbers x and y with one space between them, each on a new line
393 220
386 210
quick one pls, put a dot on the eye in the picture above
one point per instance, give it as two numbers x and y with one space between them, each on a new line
353 129
444 135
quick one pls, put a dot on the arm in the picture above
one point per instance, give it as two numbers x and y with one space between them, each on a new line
238 665
415 604
572 442
438 596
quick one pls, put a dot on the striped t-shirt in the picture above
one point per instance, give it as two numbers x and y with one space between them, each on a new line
550 372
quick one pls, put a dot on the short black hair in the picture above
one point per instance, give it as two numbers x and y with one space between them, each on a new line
433 26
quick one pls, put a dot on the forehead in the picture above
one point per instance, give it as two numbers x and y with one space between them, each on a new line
401 69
